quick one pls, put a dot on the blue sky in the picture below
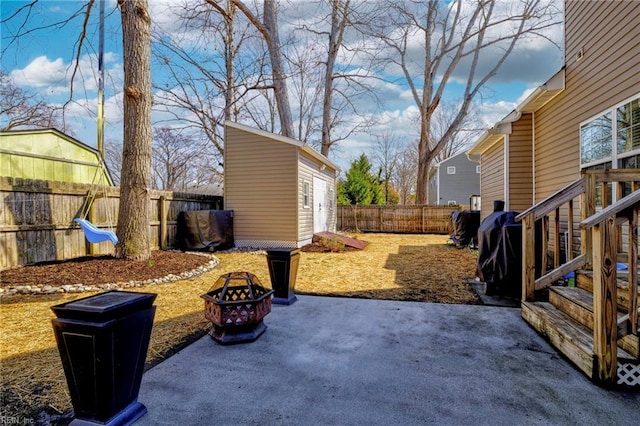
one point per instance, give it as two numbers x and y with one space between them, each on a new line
40 62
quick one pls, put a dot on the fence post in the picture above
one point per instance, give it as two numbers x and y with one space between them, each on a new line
528 258
163 222
587 209
604 300
91 215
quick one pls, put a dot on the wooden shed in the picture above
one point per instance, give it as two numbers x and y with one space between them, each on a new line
48 154
280 190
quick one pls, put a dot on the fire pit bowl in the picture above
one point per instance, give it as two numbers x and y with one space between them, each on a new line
236 305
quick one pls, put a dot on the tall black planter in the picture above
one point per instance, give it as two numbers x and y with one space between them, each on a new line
283 270
103 342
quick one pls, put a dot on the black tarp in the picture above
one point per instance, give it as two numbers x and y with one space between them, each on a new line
208 230
464 227
500 254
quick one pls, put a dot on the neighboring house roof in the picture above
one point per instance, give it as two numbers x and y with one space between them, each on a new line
536 100
301 145
448 159
29 132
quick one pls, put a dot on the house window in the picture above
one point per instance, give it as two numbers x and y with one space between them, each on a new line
331 200
605 140
305 195
451 170
612 141
478 169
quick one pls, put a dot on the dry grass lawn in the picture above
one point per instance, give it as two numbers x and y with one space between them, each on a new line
399 267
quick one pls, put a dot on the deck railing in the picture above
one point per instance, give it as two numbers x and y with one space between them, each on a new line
607 216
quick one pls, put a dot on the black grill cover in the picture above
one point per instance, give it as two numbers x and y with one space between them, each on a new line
464 226
500 253
208 230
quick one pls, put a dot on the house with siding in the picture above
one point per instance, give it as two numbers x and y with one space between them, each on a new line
48 154
281 191
454 181
568 158
567 125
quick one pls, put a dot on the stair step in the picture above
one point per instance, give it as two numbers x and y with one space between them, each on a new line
571 338
578 305
584 280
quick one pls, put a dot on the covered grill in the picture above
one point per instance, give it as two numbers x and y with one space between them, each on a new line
500 252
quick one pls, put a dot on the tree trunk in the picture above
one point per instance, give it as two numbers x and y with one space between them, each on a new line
335 40
133 215
277 68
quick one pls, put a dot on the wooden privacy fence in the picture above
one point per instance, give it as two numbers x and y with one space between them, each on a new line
36 219
396 218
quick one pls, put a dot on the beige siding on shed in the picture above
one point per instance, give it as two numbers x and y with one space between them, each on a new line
521 164
261 187
308 169
492 178
606 75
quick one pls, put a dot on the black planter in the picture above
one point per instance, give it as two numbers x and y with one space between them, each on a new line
103 342
283 270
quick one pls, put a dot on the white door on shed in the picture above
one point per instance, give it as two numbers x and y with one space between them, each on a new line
319 205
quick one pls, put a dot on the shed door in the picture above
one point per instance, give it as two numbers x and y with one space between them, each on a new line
319 205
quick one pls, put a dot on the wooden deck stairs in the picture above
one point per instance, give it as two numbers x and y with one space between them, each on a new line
594 324
567 321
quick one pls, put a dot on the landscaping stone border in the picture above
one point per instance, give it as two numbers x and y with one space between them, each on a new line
82 288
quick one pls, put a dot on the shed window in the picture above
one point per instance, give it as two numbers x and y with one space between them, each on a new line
478 169
452 203
305 195
451 170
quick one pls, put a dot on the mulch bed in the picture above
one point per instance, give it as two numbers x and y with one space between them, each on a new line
102 270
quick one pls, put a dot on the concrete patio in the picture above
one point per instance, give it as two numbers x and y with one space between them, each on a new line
338 361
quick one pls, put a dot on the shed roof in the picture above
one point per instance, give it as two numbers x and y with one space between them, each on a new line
294 142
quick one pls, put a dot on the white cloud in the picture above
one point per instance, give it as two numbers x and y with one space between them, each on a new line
41 72
490 113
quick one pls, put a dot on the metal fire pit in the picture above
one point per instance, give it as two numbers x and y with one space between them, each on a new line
236 305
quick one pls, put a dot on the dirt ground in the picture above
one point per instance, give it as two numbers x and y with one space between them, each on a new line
400 267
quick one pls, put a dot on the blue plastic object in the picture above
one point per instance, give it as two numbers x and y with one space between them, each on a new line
95 235
621 266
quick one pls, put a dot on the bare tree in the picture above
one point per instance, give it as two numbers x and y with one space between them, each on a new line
405 173
468 40
386 158
113 159
133 214
345 80
20 108
179 159
306 82
339 20
268 27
